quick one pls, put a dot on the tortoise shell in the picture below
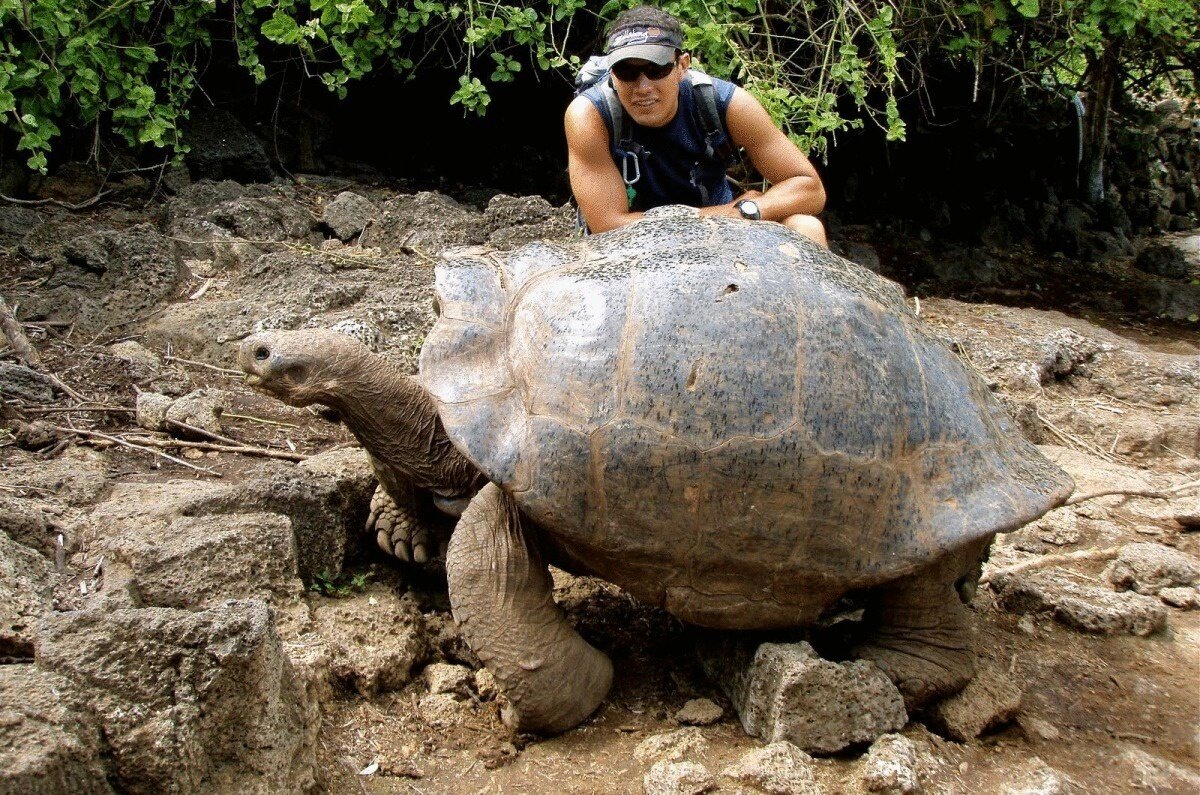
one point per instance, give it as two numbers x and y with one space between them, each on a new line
722 417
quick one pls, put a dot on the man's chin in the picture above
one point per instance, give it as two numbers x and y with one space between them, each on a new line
650 117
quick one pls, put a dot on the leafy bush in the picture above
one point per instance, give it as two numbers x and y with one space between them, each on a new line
128 68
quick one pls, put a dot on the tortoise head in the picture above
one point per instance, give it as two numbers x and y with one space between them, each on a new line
303 367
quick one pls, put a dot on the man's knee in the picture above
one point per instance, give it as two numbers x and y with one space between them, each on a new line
808 225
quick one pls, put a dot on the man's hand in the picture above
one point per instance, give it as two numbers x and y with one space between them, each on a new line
730 210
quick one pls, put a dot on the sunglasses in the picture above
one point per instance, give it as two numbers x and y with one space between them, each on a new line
627 72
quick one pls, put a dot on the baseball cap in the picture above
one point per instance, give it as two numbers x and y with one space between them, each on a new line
646 42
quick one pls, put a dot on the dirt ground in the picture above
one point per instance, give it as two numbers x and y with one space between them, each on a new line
1113 398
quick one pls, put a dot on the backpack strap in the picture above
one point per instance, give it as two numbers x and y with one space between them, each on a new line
717 143
630 150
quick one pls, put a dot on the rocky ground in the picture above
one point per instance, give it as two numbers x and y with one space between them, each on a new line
187 602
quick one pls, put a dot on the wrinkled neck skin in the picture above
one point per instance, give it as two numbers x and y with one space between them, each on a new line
397 422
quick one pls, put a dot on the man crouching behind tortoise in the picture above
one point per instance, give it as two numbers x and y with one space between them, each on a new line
649 145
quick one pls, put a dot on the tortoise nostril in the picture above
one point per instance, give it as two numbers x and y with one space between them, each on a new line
262 353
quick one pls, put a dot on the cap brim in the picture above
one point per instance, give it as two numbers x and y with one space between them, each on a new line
654 53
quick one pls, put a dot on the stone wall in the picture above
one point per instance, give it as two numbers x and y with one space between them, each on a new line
1154 166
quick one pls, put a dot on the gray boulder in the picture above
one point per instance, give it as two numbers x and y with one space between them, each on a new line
1149 568
189 701
1083 607
1163 259
377 640
348 215
678 778
18 381
670 745
113 278
327 497
26 587
46 748
892 766
424 223
780 768
788 692
989 700
699 712
189 544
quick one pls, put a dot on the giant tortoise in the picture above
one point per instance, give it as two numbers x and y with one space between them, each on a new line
719 416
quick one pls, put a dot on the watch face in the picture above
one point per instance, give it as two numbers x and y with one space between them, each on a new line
749 209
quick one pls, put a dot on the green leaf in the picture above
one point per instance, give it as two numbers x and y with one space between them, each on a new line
282 29
1027 8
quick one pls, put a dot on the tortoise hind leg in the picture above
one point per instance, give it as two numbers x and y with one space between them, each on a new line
922 633
502 600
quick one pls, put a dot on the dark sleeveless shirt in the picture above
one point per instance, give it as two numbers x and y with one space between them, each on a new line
674 166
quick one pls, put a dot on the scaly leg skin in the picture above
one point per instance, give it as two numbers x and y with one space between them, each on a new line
397 529
394 520
503 603
924 636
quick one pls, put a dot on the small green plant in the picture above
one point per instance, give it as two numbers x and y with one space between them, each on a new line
339 586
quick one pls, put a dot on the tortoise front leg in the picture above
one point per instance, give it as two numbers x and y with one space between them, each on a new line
502 599
398 529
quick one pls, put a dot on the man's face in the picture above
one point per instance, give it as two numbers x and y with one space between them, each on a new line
651 103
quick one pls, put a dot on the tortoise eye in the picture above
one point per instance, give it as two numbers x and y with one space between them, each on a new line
262 353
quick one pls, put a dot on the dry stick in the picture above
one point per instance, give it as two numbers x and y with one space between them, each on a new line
260 419
1071 440
130 445
16 337
1156 495
223 448
56 202
28 355
1107 553
216 437
47 323
77 409
169 358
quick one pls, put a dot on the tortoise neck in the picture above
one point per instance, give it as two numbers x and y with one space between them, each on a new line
397 422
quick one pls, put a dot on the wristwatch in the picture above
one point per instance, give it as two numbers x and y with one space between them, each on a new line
749 209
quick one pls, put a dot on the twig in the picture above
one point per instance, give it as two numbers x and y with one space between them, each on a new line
203 289
223 448
1154 495
132 446
1074 441
82 205
1107 553
260 419
16 337
226 370
26 352
77 409
18 489
47 323
216 437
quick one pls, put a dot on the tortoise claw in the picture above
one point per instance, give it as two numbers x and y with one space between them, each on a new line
393 526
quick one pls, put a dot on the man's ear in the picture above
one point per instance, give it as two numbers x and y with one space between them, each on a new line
685 61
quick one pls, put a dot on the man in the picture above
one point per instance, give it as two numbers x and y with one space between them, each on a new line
666 160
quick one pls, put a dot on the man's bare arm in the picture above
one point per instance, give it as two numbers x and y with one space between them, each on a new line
796 187
595 180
